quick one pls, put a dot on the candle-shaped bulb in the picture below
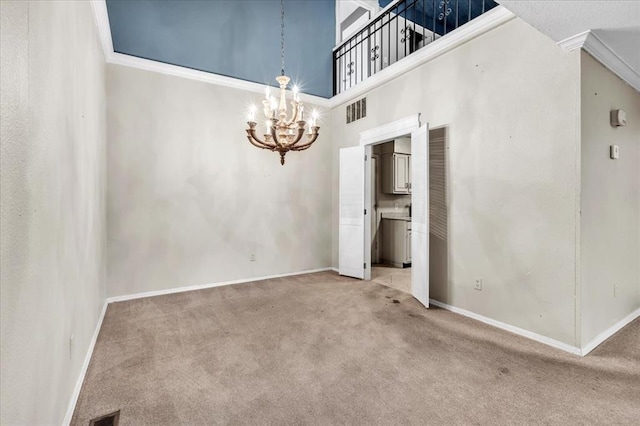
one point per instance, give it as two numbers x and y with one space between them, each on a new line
267 93
252 113
295 93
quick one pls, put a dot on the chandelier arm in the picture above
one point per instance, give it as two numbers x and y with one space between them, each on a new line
294 113
310 142
255 140
274 132
299 137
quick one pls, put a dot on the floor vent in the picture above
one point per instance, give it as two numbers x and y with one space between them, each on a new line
357 110
111 419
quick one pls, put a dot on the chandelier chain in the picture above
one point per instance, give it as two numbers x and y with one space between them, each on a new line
282 36
283 133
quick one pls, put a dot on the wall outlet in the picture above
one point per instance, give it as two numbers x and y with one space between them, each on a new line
252 257
478 284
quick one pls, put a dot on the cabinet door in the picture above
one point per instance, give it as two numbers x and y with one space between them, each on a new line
409 174
386 168
400 173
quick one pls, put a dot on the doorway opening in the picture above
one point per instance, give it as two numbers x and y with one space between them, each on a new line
355 203
390 217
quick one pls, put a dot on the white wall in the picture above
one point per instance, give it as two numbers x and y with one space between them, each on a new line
610 201
510 101
189 199
52 203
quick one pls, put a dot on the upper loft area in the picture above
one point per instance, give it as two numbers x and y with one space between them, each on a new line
334 48
370 40
330 46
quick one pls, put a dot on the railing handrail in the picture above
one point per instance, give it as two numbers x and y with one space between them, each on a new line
378 16
372 47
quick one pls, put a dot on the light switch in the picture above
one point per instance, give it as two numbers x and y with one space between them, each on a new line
614 152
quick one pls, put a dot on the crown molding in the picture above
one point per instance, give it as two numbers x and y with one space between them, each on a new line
99 8
112 57
593 45
206 77
480 25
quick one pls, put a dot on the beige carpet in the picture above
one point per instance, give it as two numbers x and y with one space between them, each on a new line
321 349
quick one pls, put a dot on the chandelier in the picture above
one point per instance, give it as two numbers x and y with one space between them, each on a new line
283 133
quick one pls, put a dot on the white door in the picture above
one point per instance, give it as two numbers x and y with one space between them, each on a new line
351 228
420 215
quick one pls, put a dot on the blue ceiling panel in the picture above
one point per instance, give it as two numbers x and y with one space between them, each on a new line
235 38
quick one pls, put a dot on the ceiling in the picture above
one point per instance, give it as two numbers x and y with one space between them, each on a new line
239 39
615 22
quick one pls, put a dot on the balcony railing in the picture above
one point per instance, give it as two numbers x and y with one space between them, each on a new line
400 29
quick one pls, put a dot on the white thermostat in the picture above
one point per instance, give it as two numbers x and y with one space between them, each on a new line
618 118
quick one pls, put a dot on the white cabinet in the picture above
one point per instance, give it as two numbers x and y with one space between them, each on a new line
396 242
396 173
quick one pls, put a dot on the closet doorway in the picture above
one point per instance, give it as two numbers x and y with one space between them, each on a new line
356 203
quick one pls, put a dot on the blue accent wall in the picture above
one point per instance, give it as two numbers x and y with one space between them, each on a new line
235 38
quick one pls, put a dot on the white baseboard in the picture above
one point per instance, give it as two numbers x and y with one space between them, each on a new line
513 329
203 286
87 360
610 331
85 367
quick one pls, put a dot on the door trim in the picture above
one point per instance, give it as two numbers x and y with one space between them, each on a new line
386 132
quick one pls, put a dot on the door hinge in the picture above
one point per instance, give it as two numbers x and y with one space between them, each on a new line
365 157
365 211
365 266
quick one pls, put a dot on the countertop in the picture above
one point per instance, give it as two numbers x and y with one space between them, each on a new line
396 216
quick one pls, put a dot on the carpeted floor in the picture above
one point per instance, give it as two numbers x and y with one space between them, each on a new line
323 349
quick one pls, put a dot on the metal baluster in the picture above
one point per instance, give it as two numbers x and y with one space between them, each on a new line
413 21
388 39
424 20
361 57
444 16
404 28
482 6
395 18
336 77
349 63
434 19
457 3
469 14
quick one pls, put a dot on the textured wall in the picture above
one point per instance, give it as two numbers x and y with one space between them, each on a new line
52 204
513 122
610 201
239 39
189 199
